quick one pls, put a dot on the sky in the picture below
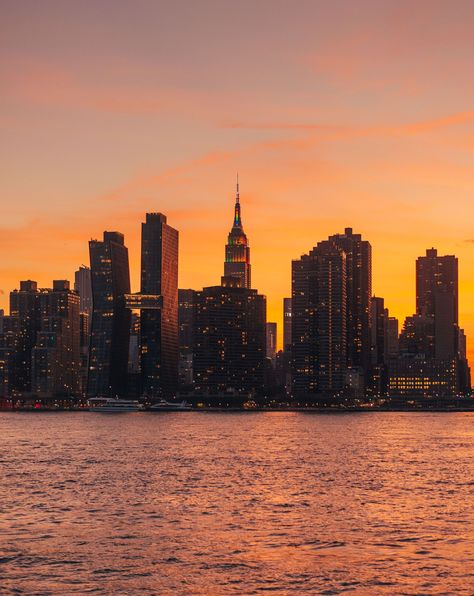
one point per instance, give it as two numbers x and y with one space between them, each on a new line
355 113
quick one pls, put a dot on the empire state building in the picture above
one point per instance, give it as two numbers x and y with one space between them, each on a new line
237 250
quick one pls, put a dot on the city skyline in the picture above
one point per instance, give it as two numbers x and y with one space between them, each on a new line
276 312
102 124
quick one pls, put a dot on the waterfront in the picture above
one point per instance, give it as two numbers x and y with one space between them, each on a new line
199 503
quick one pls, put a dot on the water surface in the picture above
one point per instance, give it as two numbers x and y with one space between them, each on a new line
237 503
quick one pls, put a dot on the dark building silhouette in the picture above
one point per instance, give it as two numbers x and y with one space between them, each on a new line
83 286
319 322
24 320
237 251
186 306
9 336
419 377
287 324
434 275
56 356
40 342
159 326
271 334
431 362
110 326
229 340
464 372
384 344
392 338
358 293
437 297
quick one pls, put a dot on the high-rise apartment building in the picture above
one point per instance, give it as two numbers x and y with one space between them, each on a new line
186 307
271 333
24 319
56 356
110 326
229 340
286 324
431 362
83 286
358 294
319 321
159 326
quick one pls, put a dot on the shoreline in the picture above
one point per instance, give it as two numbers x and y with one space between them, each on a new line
320 410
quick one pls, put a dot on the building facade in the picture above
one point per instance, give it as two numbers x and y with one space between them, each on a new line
358 294
159 326
229 340
237 250
110 325
319 322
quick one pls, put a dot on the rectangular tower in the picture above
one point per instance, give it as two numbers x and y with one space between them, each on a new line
287 324
359 291
319 324
159 327
229 349
110 327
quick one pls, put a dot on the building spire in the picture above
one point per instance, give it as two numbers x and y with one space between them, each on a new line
237 220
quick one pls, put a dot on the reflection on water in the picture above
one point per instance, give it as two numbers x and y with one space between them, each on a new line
199 503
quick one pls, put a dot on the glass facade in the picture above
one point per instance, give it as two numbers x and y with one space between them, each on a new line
159 327
110 325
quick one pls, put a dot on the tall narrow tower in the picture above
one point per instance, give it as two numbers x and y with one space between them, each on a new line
237 250
159 328
110 329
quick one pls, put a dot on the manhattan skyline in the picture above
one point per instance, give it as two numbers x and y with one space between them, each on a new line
361 120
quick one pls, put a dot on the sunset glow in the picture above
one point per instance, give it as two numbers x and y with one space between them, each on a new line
334 114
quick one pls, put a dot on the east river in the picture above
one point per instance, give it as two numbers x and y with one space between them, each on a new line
237 503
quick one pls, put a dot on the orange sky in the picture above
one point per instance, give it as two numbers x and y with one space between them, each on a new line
335 114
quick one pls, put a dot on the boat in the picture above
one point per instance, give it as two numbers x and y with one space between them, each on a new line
111 404
167 406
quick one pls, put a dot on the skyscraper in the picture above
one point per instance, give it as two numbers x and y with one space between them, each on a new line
286 324
431 362
435 275
359 291
83 286
379 337
229 344
319 321
159 326
237 250
56 357
110 328
271 341
186 300
24 319
437 297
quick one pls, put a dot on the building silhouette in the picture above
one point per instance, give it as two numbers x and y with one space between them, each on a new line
230 340
186 307
319 322
159 326
271 335
56 356
237 250
23 323
229 353
40 342
431 361
83 286
358 294
110 325
379 345
287 324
